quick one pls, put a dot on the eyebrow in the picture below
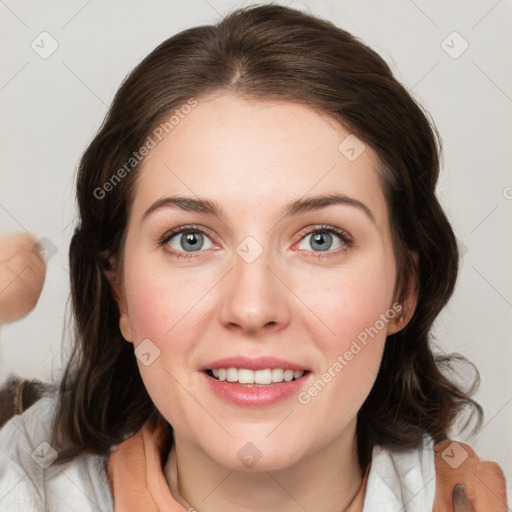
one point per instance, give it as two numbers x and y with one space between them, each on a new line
296 207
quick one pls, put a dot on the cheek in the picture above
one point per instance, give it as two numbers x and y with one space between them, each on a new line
350 358
160 309
349 302
159 304
355 310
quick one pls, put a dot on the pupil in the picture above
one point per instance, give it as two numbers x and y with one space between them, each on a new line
320 239
192 239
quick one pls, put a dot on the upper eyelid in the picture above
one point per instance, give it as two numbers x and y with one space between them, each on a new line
183 229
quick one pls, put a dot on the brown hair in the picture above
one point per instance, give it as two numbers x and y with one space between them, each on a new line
266 52
18 394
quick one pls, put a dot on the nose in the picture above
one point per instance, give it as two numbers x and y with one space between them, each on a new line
255 297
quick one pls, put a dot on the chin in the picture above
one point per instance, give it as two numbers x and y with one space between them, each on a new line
241 454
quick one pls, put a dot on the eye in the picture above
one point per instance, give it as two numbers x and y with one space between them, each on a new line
184 241
188 239
322 239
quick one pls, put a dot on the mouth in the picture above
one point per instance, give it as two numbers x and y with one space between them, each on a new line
255 378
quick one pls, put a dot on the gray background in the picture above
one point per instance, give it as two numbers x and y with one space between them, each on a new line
51 107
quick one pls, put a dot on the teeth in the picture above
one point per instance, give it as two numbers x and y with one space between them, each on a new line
231 374
262 377
277 375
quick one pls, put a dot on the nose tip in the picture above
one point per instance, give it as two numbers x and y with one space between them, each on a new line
253 299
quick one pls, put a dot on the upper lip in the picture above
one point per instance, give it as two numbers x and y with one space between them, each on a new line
253 363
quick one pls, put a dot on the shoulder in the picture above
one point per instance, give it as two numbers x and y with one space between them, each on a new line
31 480
424 479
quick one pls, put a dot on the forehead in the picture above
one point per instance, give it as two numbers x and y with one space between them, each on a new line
246 153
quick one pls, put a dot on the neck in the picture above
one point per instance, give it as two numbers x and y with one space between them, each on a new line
326 480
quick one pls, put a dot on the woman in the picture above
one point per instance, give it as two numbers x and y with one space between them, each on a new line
258 265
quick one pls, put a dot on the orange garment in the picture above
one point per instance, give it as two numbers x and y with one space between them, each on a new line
137 480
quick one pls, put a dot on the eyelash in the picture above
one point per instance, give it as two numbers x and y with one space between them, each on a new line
343 235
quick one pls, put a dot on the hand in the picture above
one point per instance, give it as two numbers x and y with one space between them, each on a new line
22 275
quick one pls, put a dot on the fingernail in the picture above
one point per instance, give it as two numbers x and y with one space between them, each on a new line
461 501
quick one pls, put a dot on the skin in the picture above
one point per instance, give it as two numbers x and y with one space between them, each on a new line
22 275
253 157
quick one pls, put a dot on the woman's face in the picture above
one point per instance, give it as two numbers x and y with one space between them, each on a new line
260 278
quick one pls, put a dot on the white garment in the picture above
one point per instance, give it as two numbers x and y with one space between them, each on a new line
398 481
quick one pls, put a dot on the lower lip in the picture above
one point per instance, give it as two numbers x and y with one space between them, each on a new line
255 396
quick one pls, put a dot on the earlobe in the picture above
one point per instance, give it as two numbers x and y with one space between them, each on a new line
125 327
410 300
116 286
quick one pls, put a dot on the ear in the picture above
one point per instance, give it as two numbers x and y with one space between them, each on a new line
409 303
114 276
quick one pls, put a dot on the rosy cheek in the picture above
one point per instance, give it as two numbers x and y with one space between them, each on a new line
146 307
159 311
351 306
